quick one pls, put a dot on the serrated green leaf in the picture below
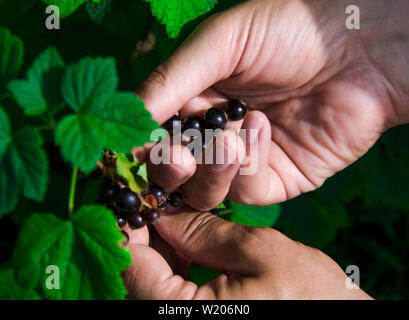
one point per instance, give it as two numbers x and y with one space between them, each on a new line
254 216
89 83
87 254
5 132
41 90
11 57
24 168
104 119
133 172
67 7
97 11
30 163
79 142
11 290
176 13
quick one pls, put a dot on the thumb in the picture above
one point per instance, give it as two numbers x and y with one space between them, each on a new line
201 61
215 243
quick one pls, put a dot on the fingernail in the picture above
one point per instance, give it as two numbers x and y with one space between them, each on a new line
253 126
225 155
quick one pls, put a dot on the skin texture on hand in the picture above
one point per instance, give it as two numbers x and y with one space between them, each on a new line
257 263
318 94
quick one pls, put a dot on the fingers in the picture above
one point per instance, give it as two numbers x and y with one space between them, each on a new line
150 276
192 68
170 165
256 182
213 242
220 162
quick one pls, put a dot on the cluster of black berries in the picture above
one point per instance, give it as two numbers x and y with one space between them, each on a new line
138 209
214 118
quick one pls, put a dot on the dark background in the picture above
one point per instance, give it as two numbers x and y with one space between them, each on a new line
359 217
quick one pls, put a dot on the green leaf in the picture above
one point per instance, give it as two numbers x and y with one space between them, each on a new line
119 125
30 163
41 90
5 132
133 172
254 216
97 11
89 83
24 168
104 119
86 250
11 290
11 57
176 13
67 7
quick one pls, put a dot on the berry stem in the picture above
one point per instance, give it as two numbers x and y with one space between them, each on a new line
71 201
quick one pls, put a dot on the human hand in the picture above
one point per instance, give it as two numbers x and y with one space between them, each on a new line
257 263
319 94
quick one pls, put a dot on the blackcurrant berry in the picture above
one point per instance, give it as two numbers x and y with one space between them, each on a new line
127 200
152 216
215 119
121 222
135 220
236 110
176 199
157 192
174 125
108 194
121 214
195 123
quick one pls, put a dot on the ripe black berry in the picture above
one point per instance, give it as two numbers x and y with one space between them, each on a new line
236 110
215 119
176 199
127 200
193 123
121 222
108 194
136 221
174 125
152 216
157 192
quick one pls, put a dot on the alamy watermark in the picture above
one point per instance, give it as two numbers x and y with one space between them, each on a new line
213 147
52 282
353 279
353 21
53 20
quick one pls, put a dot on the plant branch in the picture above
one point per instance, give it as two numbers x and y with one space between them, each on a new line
71 200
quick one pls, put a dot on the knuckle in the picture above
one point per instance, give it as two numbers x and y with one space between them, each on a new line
197 227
